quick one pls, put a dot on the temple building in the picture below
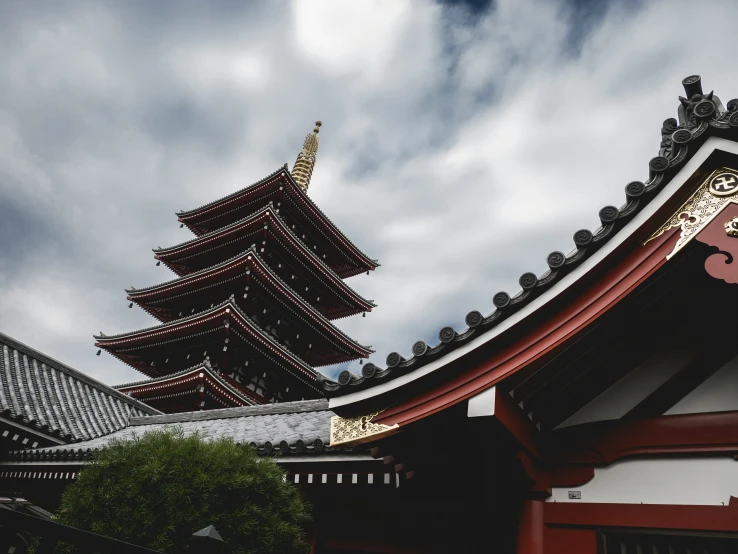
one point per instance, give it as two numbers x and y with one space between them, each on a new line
593 410
248 319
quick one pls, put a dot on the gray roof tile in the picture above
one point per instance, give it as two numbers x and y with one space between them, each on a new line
57 400
287 428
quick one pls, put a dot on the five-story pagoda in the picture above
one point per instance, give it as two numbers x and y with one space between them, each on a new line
249 316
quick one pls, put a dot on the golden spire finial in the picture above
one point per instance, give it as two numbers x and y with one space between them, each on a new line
303 168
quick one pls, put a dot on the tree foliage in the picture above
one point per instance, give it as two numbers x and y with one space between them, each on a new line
158 488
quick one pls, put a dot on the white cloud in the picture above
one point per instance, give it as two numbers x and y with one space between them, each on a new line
457 150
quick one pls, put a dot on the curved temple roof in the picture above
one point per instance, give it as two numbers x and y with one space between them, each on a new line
285 294
700 116
58 401
268 215
273 429
214 316
252 195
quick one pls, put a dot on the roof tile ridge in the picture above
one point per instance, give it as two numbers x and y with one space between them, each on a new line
74 373
680 140
186 213
301 406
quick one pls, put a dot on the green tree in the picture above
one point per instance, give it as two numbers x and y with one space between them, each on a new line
158 488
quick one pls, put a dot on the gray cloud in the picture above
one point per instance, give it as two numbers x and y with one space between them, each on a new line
461 143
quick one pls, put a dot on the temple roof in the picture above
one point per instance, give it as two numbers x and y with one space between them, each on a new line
273 429
283 293
266 216
250 257
701 116
256 195
216 317
54 399
238 395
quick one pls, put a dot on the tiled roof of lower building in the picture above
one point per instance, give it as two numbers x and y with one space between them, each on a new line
53 399
273 429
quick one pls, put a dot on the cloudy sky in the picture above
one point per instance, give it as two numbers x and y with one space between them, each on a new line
461 142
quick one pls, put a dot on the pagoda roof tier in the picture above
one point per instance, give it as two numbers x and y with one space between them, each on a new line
223 330
165 301
195 388
280 188
210 249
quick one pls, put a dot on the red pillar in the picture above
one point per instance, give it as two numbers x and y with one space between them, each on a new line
530 527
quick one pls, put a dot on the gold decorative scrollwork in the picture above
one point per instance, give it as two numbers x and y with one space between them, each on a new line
356 430
716 192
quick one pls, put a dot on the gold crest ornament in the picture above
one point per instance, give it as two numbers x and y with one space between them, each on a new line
356 430
713 195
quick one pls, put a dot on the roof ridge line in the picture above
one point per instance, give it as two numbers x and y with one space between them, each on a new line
299 406
213 202
204 366
680 140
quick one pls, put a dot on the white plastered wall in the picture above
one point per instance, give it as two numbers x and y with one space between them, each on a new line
696 481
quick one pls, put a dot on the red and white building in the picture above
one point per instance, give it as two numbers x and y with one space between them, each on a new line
593 410
596 409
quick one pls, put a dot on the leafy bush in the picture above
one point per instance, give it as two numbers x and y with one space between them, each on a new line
159 488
